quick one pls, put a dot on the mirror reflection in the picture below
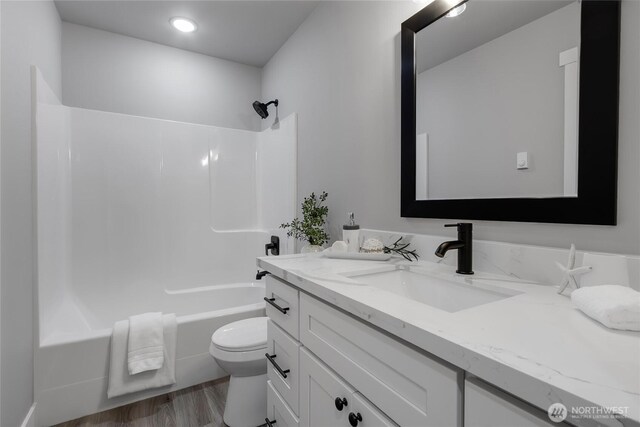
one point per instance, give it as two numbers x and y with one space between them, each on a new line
497 101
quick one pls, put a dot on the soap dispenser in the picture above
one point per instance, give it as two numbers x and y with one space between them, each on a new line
351 234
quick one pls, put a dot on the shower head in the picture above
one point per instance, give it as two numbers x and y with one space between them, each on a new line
261 108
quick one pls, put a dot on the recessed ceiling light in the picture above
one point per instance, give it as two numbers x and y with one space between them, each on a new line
456 11
185 25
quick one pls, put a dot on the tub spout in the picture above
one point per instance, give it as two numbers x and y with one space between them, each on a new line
261 274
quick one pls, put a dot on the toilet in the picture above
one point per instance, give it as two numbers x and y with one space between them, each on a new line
239 348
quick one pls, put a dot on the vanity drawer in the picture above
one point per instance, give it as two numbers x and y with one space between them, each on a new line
278 412
407 385
285 297
284 355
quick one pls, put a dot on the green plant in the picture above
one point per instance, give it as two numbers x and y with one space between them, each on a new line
311 228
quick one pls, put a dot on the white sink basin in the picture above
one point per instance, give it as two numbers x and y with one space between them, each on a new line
446 292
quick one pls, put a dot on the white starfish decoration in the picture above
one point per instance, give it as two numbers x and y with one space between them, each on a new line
570 271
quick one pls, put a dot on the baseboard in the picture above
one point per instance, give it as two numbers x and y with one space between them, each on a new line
30 419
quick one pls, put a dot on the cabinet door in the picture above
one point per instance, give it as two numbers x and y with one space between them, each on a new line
319 389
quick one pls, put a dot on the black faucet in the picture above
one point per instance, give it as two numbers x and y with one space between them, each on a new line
463 245
261 274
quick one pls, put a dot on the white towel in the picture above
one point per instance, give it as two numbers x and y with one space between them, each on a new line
120 382
145 351
616 307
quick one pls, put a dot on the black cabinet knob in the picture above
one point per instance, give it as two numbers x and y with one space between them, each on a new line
269 422
354 418
340 403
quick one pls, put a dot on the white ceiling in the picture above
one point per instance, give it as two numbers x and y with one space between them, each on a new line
482 21
249 32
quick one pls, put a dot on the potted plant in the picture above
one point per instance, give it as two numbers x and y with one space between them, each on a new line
312 226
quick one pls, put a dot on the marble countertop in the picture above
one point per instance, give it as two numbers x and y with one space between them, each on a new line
535 345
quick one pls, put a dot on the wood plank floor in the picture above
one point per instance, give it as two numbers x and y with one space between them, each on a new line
197 406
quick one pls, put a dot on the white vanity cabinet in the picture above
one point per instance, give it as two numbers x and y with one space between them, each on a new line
329 369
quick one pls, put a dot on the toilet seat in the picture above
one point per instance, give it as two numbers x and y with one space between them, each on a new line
237 356
245 335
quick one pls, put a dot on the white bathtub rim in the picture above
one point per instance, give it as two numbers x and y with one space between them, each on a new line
206 288
184 319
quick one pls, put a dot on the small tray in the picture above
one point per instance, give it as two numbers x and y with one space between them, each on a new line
358 256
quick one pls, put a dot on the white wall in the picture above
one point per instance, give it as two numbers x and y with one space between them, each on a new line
110 72
340 72
30 35
466 106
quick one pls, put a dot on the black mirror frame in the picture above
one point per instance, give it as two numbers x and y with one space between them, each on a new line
596 202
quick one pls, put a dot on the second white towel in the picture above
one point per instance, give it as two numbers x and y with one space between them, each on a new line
616 307
145 349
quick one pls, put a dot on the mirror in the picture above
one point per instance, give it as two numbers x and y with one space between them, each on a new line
496 101
498 114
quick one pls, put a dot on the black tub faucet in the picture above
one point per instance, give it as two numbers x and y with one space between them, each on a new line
261 274
464 245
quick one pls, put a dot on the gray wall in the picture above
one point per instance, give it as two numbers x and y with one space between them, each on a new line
110 72
30 35
340 72
483 107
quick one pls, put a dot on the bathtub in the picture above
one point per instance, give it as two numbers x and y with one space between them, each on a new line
136 214
72 360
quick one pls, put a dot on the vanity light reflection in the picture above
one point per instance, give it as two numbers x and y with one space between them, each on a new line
457 11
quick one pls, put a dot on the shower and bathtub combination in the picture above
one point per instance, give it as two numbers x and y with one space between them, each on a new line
136 214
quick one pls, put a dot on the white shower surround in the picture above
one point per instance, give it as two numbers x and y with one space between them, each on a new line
137 214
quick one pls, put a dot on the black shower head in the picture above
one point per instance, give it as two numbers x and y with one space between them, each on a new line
261 108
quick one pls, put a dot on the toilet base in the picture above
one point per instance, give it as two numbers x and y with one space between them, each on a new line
246 401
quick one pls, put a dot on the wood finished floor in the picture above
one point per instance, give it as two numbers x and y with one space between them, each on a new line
198 406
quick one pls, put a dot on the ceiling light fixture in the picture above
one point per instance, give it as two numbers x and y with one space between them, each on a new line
456 11
185 25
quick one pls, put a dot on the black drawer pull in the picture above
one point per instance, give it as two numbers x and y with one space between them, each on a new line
269 423
353 418
275 365
282 310
340 403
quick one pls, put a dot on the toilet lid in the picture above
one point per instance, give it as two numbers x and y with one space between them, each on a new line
243 335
